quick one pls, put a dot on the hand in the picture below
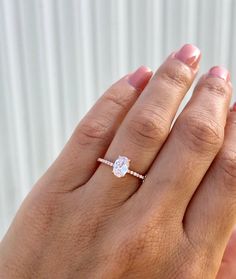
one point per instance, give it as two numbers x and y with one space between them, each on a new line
81 221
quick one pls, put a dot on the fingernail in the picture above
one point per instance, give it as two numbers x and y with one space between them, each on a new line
190 55
140 77
220 72
233 108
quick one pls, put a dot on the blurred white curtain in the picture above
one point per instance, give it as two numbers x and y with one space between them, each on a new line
58 56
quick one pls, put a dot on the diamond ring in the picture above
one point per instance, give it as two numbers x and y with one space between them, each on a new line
121 167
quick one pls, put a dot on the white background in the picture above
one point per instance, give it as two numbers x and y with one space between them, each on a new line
57 57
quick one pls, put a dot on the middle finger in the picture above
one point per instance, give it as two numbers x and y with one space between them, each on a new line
192 145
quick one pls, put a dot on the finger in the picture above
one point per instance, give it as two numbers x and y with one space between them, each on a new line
228 266
147 124
194 141
78 160
212 211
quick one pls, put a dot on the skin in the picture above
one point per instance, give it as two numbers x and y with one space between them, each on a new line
228 267
80 221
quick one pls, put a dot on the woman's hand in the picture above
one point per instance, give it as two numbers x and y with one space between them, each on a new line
81 221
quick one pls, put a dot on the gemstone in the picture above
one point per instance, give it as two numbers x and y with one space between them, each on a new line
121 166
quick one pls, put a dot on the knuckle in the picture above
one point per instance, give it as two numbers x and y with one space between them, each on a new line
227 162
215 87
176 76
90 226
231 121
138 245
191 263
93 130
148 128
44 210
202 134
115 99
191 270
129 250
198 258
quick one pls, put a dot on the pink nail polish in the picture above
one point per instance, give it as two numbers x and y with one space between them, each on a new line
190 55
220 72
140 78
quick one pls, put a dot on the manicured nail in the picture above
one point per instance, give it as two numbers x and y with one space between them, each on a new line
233 108
190 55
140 77
220 72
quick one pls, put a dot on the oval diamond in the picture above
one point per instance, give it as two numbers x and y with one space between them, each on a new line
121 166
